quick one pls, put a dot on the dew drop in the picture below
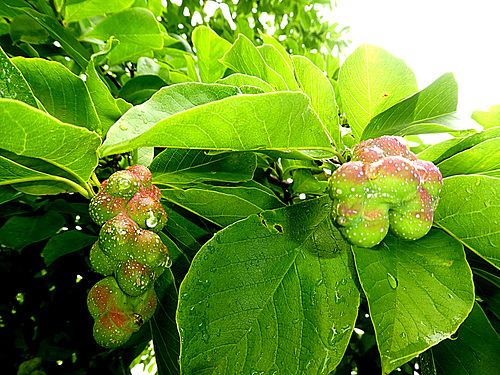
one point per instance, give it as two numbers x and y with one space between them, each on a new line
393 282
123 127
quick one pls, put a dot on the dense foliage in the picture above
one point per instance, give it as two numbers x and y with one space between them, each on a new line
241 132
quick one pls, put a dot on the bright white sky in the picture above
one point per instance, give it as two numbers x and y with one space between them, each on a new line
434 37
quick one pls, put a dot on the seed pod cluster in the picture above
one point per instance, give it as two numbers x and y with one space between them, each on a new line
384 187
129 252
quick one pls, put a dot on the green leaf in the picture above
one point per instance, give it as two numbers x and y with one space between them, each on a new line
240 123
431 110
370 81
9 8
456 145
107 107
191 68
31 181
483 157
223 205
472 351
314 84
182 167
58 32
140 88
7 194
88 8
165 335
63 94
240 80
418 292
279 47
210 47
21 231
166 102
244 57
488 119
147 66
305 182
137 30
469 210
271 293
32 133
275 60
65 243
23 28
12 83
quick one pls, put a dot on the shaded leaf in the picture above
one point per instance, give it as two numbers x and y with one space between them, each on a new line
418 292
65 243
140 88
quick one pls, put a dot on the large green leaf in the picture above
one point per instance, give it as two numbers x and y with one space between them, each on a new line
223 205
488 119
12 83
275 60
472 351
278 121
241 80
209 48
437 152
166 102
317 86
431 110
65 243
418 292
244 57
62 93
273 293
176 166
74 11
370 81
483 157
33 134
470 211
137 30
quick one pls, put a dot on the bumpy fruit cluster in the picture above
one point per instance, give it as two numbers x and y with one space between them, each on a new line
384 187
129 253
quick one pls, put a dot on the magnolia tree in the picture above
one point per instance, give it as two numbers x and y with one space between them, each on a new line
239 209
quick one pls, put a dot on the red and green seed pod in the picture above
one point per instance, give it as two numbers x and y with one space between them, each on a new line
372 150
104 296
369 227
147 212
393 179
100 261
430 178
349 179
113 329
134 278
104 207
143 173
123 184
117 236
144 304
413 219
149 249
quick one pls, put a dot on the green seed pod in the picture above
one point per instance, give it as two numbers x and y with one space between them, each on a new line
149 249
134 278
100 261
114 329
147 212
144 304
117 237
104 207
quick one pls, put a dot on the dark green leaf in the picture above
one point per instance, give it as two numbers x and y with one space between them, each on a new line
20 231
65 243
418 292
273 293
140 88
180 167
470 211
473 350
